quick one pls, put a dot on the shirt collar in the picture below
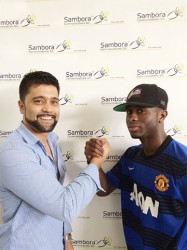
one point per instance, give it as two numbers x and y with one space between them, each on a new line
30 138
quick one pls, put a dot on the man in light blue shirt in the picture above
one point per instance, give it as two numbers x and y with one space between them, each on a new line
37 208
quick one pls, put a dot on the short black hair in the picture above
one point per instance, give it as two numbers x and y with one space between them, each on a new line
36 78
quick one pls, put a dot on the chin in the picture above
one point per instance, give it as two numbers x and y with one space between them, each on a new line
135 136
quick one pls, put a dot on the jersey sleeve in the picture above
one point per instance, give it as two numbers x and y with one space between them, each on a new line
113 176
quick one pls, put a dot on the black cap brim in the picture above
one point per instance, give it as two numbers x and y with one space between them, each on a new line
123 107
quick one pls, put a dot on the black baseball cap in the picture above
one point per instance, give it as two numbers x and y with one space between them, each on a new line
146 95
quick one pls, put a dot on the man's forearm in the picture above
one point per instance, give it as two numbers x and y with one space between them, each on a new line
104 184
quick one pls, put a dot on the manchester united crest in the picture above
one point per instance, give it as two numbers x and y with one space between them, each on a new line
161 183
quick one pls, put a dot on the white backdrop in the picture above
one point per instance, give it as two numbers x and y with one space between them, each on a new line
99 50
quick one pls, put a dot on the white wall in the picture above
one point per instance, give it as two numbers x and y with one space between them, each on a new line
98 50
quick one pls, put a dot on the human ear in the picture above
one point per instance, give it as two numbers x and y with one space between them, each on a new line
21 107
163 115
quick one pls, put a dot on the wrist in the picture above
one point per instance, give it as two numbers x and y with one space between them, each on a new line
68 237
96 161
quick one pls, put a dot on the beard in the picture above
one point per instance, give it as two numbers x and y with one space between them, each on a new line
38 127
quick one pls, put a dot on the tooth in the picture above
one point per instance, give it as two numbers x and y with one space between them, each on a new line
46 117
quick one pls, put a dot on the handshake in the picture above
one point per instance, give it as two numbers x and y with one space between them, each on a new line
96 151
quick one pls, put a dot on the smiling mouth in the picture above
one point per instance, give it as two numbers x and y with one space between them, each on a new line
46 117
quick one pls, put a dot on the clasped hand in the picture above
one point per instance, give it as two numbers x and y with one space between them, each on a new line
97 150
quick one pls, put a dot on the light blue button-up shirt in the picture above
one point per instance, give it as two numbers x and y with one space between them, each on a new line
37 208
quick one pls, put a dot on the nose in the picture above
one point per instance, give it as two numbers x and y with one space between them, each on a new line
132 116
47 107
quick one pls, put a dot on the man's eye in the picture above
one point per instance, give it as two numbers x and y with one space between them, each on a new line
140 110
55 102
38 101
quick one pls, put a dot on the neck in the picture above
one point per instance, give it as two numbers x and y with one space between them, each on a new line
151 145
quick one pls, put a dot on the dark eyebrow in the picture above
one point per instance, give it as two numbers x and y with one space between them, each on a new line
55 98
42 97
36 97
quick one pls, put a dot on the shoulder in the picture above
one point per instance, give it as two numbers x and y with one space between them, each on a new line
10 141
14 140
177 150
15 148
132 151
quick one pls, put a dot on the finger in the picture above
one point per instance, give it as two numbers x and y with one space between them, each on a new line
92 151
97 141
93 146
